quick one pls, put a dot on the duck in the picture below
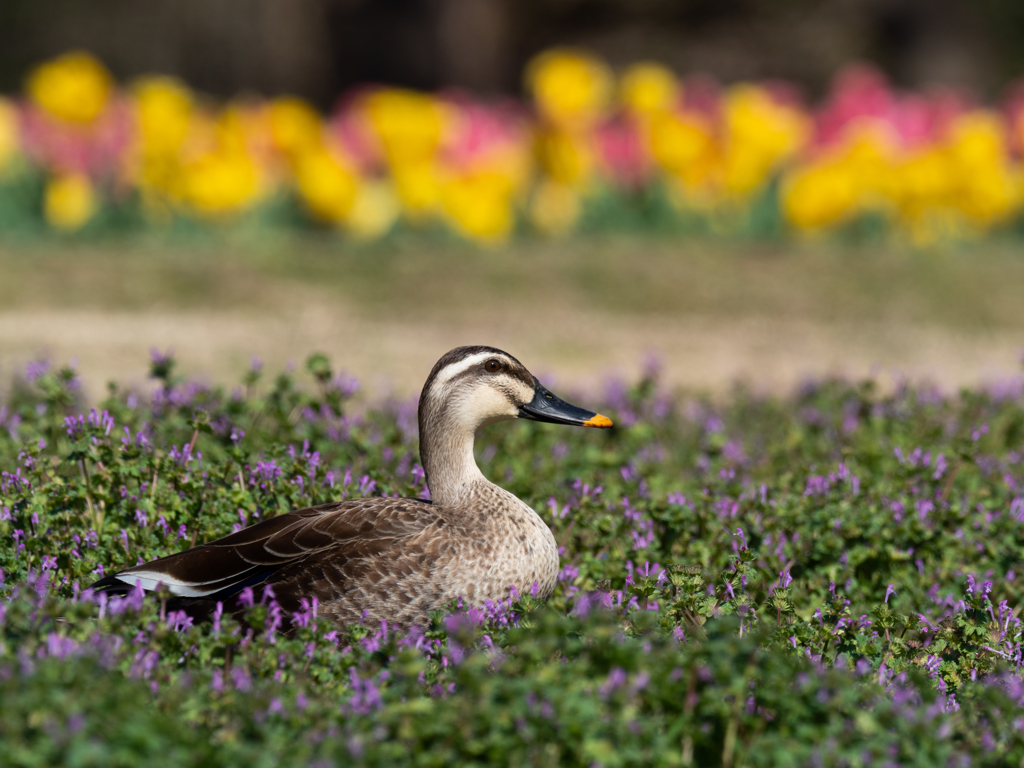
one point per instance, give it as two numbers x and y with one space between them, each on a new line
392 559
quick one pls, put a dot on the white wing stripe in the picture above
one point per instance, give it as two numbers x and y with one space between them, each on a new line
150 580
150 584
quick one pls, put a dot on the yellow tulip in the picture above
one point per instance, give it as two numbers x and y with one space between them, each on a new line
374 211
820 195
479 205
163 113
69 201
753 117
745 170
684 145
760 135
978 138
238 128
220 183
923 181
868 153
988 187
9 140
409 125
567 157
555 208
295 126
418 188
679 141
648 88
989 195
571 89
74 87
164 118
326 184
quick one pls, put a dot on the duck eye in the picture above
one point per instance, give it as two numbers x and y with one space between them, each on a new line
492 366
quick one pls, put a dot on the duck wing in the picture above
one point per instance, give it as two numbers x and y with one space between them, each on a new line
305 553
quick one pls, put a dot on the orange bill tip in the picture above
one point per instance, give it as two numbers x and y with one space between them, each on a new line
598 421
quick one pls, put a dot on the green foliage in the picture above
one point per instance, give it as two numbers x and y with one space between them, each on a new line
828 578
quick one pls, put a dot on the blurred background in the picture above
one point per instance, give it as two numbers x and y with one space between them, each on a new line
318 49
743 190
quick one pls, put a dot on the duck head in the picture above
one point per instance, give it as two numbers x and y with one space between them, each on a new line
471 387
477 386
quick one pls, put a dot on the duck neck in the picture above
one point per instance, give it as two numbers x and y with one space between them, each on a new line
446 452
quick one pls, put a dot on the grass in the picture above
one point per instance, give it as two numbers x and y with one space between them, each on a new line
968 288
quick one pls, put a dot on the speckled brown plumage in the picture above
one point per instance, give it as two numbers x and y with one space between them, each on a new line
387 558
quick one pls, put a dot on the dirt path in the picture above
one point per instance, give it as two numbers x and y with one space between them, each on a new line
573 347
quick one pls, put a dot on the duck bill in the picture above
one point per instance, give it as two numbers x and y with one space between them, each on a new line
546 407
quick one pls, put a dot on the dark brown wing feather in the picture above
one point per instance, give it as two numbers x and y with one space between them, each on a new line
305 553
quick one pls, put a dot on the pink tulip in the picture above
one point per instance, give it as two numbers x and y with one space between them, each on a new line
481 130
96 150
350 128
703 95
622 153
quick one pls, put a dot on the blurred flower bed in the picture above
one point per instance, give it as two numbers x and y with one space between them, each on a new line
593 149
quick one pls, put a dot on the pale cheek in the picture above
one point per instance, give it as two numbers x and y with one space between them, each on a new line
524 393
485 408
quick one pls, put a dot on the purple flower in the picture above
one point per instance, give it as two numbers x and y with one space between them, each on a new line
817 485
640 681
267 471
785 579
274 620
568 574
890 590
241 678
366 696
345 384
158 358
585 601
366 485
59 647
178 621
555 512
306 613
36 369
615 680
246 598
743 538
